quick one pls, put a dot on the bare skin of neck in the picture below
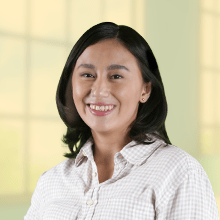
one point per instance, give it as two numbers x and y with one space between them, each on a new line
104 151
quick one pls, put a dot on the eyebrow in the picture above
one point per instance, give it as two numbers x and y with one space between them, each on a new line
110 67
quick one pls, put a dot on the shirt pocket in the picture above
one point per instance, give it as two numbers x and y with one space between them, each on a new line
61 209
128 208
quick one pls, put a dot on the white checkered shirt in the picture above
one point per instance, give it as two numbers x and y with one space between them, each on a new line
149 182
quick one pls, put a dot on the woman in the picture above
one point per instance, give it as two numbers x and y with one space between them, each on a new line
111 98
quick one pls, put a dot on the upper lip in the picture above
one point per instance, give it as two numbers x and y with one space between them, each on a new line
99 103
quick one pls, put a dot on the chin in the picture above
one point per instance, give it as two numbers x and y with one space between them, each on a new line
100 129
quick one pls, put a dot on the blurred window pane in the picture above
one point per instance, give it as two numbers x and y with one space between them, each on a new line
11 157
48 19
207 98
81 18
208 4
139 24
207 141
210 78
12 16
217 81
207 39
119 12
217 142
218 6
217 60
12 73
46 68
45 148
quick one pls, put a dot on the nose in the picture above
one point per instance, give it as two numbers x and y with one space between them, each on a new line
100 88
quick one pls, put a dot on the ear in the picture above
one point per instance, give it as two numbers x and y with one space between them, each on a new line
146 92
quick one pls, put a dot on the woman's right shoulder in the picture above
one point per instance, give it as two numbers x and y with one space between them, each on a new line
60 171
54 183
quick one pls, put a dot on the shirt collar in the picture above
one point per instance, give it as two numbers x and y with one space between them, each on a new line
85 151
139 153
132 152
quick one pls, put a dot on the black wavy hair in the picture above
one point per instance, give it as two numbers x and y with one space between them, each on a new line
151 115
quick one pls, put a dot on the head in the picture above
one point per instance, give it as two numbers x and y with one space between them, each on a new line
133 76
107 72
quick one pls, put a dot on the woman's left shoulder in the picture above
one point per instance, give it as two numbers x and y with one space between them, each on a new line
183 181
175 165
177 157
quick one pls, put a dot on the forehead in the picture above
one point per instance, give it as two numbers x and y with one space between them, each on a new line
109 50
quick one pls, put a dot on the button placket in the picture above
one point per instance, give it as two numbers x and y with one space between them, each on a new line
89 202
94 174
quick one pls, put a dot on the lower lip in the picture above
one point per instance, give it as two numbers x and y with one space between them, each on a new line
100 113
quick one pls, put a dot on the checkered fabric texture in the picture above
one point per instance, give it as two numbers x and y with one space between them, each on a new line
156 181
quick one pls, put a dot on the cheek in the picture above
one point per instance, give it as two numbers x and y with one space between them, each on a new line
78 96
129 94
77 90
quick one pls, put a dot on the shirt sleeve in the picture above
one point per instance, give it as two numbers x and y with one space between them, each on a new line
193 200
33 212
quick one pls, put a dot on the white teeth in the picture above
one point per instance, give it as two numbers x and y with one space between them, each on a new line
92 106
102 108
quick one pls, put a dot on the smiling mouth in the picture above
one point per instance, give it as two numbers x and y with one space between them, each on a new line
100 112
101 107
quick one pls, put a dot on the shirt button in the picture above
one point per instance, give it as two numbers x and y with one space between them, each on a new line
94 174
89 202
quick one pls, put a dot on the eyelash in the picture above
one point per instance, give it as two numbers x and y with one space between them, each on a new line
92 75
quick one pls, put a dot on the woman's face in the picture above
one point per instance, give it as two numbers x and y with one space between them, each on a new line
121 85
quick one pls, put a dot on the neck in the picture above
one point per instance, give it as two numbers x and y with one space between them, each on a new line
105 147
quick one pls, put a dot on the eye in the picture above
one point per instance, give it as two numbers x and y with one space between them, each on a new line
86 74
118 76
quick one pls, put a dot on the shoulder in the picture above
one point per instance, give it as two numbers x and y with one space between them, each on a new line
183 181
51 184
173 158
63 167
175 167
172 166
57 175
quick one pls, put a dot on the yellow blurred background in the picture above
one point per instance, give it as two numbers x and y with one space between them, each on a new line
36 37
